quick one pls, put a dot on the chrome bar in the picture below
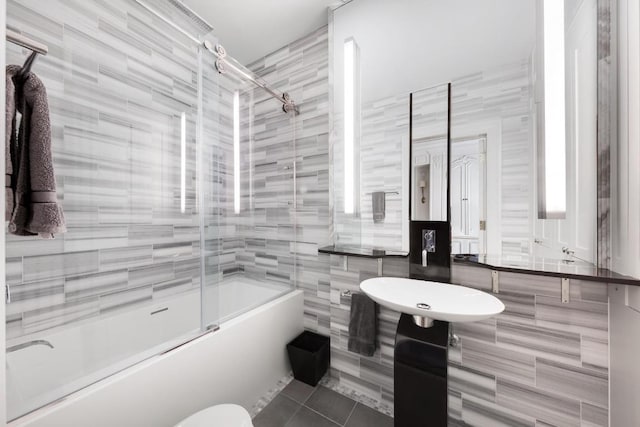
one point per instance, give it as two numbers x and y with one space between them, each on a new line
287 104
29 344
225 61
346 294
24 41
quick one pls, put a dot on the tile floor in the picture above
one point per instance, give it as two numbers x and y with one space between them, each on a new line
301 405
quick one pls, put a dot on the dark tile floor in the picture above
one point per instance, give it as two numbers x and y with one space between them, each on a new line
300 405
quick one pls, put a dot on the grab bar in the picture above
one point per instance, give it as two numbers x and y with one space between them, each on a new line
29 344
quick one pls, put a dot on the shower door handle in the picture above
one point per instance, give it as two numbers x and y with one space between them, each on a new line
7 293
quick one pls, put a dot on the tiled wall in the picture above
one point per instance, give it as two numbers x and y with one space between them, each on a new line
481 100
503 96
518 369
118 80
256 241
301 68
541 362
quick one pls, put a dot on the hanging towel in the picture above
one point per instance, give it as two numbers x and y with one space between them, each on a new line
10 141
363 325
35 209
378 206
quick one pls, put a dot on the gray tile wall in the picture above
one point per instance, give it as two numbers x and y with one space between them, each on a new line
541 362
499 96
117 80
518 369
301 68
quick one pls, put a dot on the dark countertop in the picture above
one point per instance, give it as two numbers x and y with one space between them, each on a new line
546 267
361 252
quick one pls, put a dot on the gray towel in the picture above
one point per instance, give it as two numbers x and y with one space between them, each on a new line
363 325
9 148
30 186
378 206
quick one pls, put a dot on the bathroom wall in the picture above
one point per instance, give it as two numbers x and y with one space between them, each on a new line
302 68
256 241
625 220
540 361
499 99
118 80
514 361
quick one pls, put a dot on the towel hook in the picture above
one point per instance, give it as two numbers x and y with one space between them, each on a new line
26 68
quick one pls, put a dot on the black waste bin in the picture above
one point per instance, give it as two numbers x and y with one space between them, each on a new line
309 356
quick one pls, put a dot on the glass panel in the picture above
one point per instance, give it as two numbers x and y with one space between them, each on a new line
124 282
257 216
429 154
212 178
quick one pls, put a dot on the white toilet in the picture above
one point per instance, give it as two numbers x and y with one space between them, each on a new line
225 415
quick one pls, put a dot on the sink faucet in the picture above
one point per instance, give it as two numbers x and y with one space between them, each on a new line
28 344
428 244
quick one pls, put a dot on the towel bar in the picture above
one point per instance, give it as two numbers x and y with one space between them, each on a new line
385 192
346 294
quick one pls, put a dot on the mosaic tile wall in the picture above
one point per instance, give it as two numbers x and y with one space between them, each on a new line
118 80
541 362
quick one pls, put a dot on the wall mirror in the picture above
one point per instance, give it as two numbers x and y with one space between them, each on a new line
512 194
429 153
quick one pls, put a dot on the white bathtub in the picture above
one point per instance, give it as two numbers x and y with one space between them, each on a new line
237 363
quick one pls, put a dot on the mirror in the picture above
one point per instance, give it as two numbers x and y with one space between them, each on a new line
493 56
429 153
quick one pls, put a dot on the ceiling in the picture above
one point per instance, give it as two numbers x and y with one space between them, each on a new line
250 29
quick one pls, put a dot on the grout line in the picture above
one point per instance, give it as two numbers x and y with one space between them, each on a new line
293 415
322 415
351 413
310 394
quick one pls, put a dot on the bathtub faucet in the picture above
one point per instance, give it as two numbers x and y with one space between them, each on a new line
29 344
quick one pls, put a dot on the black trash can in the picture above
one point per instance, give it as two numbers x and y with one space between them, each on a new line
309 356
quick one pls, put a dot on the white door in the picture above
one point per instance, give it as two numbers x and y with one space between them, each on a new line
467 196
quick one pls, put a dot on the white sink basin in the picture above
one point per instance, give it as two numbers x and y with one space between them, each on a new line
432 300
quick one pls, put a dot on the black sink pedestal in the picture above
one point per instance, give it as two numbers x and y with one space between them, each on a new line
420 374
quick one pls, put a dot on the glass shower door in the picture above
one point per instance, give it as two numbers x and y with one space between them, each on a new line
254 203
123 284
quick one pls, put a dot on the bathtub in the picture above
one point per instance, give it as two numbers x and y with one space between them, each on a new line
107 372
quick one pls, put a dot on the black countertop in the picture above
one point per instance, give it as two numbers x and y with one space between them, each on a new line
361 252
546 267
